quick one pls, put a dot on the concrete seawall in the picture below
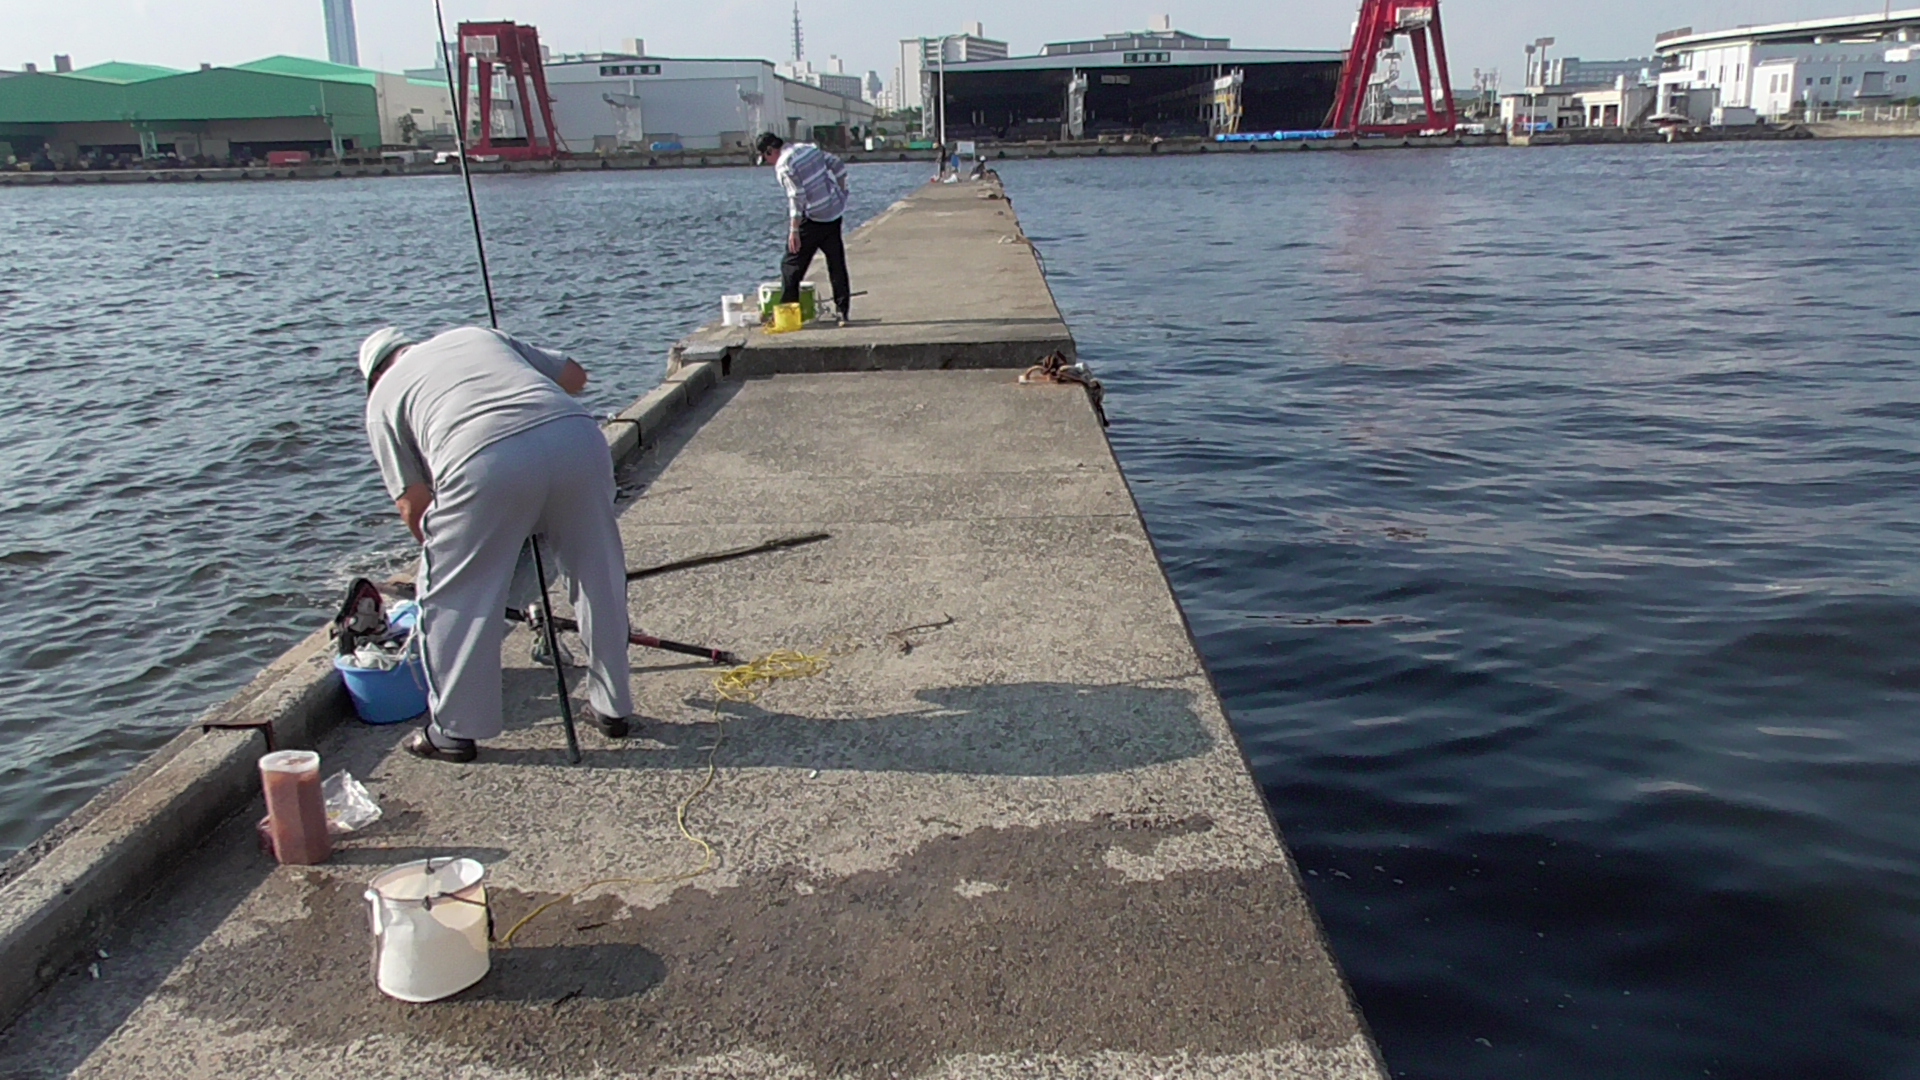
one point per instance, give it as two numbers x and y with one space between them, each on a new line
1014 152
725 159
1007 832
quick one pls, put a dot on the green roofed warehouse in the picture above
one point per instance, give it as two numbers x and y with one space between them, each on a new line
279 103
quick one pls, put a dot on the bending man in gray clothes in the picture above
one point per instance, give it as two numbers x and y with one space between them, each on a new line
481 445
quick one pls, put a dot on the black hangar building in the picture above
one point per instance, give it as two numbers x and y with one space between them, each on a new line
1162 83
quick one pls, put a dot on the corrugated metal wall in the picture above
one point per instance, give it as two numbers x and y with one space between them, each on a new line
56 99
33 101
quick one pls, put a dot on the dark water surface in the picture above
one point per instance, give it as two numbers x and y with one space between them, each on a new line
1548 519
185 484
1615 453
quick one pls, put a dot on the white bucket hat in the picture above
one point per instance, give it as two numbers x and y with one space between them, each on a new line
379 345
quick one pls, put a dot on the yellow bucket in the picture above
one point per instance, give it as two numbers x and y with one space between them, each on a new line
787 318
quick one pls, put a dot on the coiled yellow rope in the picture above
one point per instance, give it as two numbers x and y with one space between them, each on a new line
740 685
747 682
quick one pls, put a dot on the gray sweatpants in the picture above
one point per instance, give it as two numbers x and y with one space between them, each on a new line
556 482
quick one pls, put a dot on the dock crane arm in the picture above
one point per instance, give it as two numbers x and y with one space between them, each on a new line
1380 23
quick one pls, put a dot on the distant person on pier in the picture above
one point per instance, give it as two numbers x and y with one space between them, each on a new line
817 189
481 445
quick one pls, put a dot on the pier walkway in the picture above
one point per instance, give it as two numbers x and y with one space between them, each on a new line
1007 833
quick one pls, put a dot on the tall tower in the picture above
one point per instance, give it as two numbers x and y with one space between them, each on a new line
343 45
799 42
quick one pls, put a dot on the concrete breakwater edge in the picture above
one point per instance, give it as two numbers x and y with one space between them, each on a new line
1010 832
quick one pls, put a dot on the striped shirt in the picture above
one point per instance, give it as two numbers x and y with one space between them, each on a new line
816 183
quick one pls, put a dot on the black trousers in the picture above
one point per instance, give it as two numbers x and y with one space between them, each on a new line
816 238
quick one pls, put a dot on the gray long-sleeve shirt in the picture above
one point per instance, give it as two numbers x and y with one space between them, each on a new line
448 397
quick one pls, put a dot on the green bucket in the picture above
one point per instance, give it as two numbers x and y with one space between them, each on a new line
770 295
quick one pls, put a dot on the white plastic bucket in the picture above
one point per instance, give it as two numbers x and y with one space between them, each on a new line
430 925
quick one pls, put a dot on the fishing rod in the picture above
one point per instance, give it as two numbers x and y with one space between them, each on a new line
493 318
727 556
719 657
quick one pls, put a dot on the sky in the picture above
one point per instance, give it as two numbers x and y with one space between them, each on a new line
1482 34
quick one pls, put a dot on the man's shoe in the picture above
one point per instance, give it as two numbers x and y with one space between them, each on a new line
421 745
613 727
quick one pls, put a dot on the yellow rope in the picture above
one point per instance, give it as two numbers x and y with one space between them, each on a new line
746 683
743 685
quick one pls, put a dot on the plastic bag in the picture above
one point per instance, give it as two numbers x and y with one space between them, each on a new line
349 807
392 646
377 656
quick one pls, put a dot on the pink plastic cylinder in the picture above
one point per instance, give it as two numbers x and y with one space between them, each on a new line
296 810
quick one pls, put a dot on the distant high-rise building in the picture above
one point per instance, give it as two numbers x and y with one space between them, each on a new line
343 45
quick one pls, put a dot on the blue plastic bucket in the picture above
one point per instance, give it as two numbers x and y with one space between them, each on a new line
387 697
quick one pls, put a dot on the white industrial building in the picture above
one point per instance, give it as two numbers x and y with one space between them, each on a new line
921 57
1566 91
1786 68
834 80
611 101
1574 73
1623 104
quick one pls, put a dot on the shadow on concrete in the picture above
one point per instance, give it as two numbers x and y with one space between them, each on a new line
990 323
555 975
635 475
820 331
400 856
1021 729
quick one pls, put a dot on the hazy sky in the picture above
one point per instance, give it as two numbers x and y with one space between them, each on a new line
399 33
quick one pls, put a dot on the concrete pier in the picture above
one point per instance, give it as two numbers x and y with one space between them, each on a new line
1006 833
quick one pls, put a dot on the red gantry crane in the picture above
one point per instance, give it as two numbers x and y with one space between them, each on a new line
486 46
1381 22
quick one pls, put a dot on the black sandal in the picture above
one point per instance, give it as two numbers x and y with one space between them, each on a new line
613 727
421 745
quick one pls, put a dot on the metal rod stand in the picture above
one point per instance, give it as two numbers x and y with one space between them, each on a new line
553 647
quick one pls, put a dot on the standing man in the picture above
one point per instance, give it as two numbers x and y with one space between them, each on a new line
481 445
816 185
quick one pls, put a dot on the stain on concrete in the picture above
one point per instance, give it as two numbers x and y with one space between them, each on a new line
876 974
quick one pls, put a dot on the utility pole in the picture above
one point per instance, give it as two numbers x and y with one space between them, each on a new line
926 95
943 87
1531 49
1541 44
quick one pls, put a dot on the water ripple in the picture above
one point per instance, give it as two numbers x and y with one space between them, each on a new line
1548 522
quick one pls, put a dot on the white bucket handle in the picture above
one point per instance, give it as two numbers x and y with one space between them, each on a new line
427 902
376 898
